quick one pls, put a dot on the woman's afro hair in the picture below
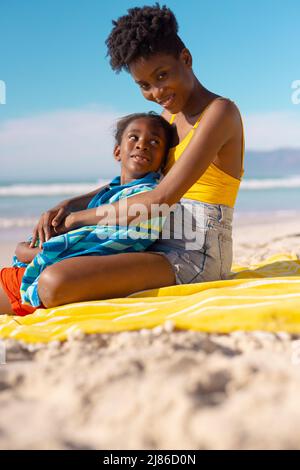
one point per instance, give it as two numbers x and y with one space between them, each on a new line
141 33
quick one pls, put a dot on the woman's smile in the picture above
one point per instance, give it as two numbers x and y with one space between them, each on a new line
167 102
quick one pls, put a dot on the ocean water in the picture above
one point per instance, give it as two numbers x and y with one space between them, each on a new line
22 203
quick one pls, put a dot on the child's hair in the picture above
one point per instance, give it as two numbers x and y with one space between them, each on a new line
124 122
141 33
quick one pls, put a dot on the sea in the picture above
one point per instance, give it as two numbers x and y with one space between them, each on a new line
22 202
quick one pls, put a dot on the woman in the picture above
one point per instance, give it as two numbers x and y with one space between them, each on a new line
203 170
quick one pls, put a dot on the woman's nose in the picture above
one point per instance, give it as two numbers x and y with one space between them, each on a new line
157 93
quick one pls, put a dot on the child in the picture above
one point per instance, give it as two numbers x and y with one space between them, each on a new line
142 142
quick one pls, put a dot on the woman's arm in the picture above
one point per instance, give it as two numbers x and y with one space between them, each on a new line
25 253
219 124
52 218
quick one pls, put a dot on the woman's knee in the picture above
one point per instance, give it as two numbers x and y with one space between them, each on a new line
51 287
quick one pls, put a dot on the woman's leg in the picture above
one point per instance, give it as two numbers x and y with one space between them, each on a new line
5 306
103 277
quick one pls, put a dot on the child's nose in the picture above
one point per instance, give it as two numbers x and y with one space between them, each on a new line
142 144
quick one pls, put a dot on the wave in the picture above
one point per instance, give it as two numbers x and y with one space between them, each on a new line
55 189
272 183
17 222
71 189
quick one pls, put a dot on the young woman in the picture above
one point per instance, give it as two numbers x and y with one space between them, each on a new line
203 171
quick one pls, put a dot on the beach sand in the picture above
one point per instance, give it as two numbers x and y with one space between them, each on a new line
159 389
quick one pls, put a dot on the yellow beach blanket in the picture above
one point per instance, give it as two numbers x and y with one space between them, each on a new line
265 296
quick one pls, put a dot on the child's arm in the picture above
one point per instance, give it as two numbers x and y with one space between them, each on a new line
25 253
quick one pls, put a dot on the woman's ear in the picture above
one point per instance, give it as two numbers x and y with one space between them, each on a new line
186 57
117 152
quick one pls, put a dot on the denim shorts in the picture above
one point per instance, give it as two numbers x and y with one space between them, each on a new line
197 242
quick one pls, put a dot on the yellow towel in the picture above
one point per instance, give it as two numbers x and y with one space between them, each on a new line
265 296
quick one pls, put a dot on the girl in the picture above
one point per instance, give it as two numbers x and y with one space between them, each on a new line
203 170
142 142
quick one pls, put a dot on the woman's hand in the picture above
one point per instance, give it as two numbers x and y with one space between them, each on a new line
54 217
49 221
67 224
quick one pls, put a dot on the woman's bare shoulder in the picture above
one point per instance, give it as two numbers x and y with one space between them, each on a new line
225 113
225 106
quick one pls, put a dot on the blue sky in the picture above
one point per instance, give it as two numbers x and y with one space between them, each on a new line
52 60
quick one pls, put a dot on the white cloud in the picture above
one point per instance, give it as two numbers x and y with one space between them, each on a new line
78 143
269 131
66 143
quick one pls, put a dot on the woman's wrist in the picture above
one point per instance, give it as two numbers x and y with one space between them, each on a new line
70 221
81 218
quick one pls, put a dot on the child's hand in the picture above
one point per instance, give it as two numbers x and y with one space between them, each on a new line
25 253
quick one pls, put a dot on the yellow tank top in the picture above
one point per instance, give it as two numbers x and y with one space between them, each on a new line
214 186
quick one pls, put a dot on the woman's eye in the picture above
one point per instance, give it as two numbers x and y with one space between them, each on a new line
144 87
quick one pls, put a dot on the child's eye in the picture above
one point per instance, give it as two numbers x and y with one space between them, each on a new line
132 137
154 142
161 76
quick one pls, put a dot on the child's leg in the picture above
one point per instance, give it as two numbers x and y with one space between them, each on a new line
5 305
10 297
85 278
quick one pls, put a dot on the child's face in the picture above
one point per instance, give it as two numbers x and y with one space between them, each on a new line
142 149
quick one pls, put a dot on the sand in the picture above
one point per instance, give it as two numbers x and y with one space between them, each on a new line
159 389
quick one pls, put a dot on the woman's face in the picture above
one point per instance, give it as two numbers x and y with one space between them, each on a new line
164 79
